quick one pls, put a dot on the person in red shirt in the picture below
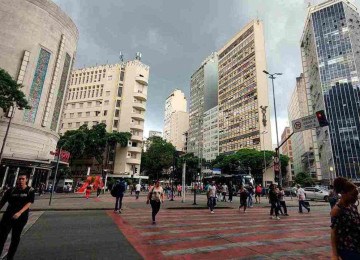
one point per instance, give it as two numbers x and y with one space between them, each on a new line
258 191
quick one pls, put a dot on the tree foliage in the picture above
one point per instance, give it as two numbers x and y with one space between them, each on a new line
10 92
158 158
85 143
247 159
304 179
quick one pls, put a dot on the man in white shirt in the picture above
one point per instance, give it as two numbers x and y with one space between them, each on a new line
137 190
301 196
211 194
224 192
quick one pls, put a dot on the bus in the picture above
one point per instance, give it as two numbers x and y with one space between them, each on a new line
236 179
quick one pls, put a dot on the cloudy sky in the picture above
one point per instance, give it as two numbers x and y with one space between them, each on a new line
174 37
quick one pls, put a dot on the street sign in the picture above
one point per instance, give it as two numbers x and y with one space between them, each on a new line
305 123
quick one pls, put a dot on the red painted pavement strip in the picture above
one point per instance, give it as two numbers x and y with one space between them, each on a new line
137 241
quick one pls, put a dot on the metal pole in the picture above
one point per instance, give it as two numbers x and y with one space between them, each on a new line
54 181
6 133
16 176
276 127
264 152
183 190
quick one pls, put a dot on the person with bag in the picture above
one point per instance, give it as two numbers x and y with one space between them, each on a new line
273 199
118 192
301 197
211 195
155 198
258 192
243 198
14 219
345 222
282 203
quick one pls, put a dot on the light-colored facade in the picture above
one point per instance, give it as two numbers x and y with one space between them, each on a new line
303 151
331 63
287 149
203 96
176 121
210 132
38 45
115 95
243 89
155 133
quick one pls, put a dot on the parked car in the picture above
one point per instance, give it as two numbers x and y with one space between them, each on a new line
314 193
290 191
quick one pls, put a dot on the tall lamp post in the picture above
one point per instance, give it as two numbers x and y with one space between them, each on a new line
263 134
7 132
272 77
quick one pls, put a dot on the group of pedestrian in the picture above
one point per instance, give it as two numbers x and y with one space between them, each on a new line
277 201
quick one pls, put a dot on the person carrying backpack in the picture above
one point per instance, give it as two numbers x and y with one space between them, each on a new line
118 192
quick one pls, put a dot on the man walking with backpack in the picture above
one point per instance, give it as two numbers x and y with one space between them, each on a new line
118 193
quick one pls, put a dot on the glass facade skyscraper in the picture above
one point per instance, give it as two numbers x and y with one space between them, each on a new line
330 48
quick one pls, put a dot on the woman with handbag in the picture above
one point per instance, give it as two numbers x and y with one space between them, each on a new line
155 198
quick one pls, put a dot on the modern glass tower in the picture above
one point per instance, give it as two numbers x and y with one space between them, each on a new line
330 48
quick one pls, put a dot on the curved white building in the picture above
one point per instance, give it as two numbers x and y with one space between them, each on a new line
38 44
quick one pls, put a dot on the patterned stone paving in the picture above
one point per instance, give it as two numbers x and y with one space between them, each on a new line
227 234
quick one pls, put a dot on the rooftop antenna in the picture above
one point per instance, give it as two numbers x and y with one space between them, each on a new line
121 57
138 56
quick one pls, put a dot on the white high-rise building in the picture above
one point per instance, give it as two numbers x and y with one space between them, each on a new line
176 121
210 135
115 95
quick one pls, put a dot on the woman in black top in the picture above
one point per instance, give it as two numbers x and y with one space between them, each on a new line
273 198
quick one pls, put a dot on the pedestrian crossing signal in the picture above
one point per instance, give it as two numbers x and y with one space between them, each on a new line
320 115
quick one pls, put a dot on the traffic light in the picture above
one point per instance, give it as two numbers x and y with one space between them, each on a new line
320 115
135 170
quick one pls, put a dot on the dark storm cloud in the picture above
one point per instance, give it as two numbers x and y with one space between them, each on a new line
174 37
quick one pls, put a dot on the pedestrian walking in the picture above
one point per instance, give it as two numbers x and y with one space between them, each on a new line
345 222
218 192
155 198
211 195
258 192
243 197
137 190
179 190
14 219
231 191
333 196
118 191
273 199
301 197
250 197
224 190
98 190
88 191
281 196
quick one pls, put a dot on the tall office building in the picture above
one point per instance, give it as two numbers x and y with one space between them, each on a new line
210 132
243 90
287 149
203 97
38 45
176 122
330 47
115 95
303 145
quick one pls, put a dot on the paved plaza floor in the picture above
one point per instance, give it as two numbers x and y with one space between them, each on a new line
91 230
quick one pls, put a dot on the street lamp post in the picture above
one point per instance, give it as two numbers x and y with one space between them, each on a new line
263 134
7 132
272 77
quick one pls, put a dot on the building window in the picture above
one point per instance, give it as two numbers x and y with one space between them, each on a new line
72 105
69 125
79 114
116 123
106 103
118 103
107 94
77 124
119 92
117 112
81 105
110 77
71 115
95 122
122 76
87 113
105 112
89 104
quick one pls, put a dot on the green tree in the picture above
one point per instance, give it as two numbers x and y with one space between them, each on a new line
85 143
10 92
304 179
159 157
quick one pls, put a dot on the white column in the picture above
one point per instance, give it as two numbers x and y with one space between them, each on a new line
183 191
5 176
16 176
31 177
